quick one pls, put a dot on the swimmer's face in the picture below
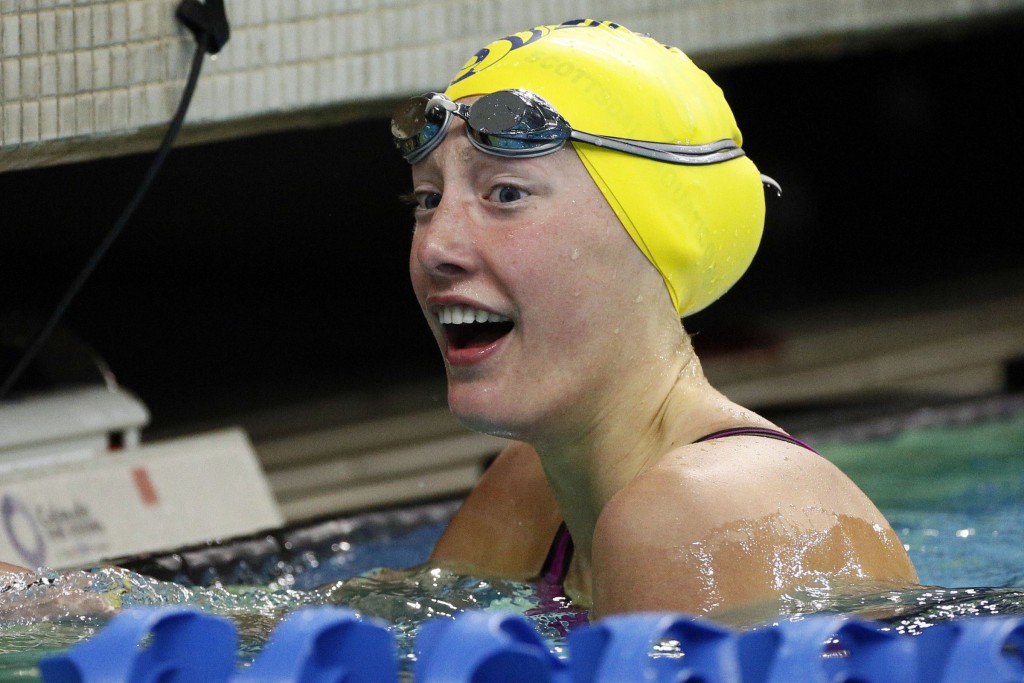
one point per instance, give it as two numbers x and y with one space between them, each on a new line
530 251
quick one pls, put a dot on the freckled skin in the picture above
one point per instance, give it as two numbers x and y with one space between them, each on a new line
598 385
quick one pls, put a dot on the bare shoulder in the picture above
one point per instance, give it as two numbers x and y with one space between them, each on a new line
706 485
506 524
735 521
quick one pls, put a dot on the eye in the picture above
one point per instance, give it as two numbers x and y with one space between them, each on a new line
504 194
426 200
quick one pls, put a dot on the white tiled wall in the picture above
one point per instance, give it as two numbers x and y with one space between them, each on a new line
73 70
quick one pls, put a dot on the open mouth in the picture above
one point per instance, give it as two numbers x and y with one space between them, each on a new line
468 328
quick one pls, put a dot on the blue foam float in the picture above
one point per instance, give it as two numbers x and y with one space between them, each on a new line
619 649
483 646
322 644
164 645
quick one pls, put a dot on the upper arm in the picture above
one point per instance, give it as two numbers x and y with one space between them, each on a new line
653 551
506 524
733 528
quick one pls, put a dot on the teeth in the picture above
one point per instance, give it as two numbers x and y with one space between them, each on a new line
458 315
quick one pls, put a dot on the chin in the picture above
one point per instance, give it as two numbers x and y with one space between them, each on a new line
479 412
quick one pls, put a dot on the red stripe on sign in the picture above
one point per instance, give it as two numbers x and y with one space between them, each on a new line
147 492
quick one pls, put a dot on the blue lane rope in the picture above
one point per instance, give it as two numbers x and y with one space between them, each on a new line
335 645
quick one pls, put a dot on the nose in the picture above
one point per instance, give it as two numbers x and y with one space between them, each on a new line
442 246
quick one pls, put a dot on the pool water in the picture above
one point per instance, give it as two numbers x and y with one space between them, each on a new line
949 482
952 493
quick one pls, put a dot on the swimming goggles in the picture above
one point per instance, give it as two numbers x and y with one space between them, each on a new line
518 123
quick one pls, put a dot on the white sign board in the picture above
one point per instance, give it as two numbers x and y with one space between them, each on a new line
157 497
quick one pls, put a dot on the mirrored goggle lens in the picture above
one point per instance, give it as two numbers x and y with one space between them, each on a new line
417 127
516 114
497 114
512 123
410 118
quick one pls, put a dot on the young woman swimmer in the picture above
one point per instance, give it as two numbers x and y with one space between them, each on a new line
578 189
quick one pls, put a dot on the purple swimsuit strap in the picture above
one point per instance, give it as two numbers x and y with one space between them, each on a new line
556 566
755 431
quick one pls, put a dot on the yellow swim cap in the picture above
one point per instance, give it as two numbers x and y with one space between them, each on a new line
698 225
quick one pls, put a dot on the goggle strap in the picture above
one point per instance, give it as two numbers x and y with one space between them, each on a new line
676 148
688 155
768 181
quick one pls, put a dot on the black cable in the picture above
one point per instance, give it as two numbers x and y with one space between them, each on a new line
207 40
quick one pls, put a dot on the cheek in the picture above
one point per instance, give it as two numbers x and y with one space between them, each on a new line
417 276
556 286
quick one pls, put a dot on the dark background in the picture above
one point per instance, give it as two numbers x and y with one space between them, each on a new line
273 269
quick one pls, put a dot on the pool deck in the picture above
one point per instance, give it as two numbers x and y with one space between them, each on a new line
943 343
939 342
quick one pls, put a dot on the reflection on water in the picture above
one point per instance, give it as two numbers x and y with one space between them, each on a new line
407 600
906 610
60 610
402 599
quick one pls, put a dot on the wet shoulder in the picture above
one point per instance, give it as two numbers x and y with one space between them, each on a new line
720 524
738 475
704 490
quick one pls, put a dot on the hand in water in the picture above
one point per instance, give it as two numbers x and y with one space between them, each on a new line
27 596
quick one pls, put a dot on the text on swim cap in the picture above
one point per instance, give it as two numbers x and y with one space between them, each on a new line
501 48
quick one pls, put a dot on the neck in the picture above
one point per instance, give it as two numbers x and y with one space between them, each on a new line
653 412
